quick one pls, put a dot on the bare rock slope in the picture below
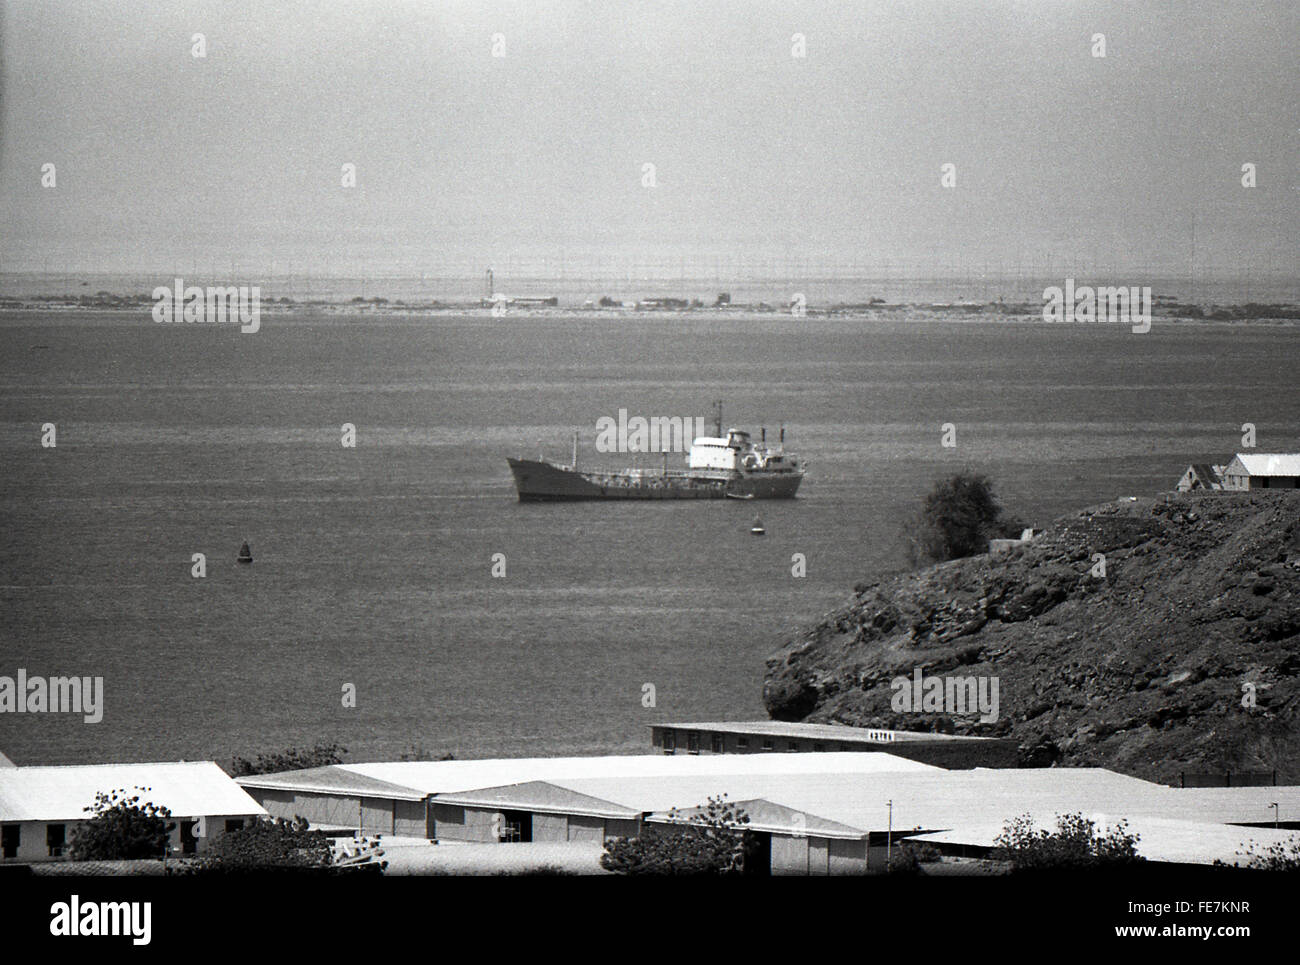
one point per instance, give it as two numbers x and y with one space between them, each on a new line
1147 670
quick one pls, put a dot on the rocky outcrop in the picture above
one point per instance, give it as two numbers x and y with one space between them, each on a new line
1152 636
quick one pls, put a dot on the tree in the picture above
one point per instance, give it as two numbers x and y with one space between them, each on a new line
121 828
267 845
1075 844
713 841
292 759
957 518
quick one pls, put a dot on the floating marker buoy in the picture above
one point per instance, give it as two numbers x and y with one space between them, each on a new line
757 529
245 554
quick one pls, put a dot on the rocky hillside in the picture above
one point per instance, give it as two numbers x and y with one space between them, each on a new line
1141 670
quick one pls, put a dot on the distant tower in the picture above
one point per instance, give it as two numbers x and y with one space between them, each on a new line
491 290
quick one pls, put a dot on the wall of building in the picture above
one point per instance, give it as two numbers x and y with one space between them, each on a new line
451 822
954 755
375 815
454 823
817 856
411 819
330 810
33 846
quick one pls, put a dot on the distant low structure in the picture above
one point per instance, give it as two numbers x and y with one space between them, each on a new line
768 736
521 301
1260 470
1002 545
1201 476
40 807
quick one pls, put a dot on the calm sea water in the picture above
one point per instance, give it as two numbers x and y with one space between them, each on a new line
373 564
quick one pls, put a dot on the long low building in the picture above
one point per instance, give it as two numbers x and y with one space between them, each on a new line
774 736
830 813
41 806
419 798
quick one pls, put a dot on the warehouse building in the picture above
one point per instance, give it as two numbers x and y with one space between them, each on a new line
489 800
831 813
40 807
772 736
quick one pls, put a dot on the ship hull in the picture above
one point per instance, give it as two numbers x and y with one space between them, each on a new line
538 481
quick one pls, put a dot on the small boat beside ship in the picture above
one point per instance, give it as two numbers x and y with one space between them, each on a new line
725 466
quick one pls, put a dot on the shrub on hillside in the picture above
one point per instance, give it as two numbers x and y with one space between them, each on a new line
957 519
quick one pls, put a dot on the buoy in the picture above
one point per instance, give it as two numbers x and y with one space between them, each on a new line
757 529
245 554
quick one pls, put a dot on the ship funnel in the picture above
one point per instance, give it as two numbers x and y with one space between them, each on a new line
763 436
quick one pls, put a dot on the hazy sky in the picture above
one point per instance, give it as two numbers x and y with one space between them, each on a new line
1131 160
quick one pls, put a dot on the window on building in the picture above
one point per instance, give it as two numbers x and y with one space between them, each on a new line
234 824
669 742
693 742
55 839
769 744
189 843
819 747
718 744
792 746
742 744
10 837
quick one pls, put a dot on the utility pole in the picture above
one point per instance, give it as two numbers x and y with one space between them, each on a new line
889 837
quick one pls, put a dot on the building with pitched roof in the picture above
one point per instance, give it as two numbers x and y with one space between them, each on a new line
1201 477
1262 470
41 806
837 812
768 736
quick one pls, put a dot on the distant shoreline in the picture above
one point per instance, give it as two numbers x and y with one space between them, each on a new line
1164 309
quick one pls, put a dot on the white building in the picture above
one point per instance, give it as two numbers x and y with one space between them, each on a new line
1262 470
41 806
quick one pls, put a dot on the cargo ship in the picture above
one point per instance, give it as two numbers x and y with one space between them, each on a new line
726 466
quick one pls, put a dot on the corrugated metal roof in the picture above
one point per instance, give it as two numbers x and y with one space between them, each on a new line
539 796
61 793
766 816
1270 463
798 729
331 779
990 797
440 777
1159 839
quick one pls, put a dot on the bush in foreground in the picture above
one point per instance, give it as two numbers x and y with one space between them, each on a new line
1074 845
711 842
121 828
